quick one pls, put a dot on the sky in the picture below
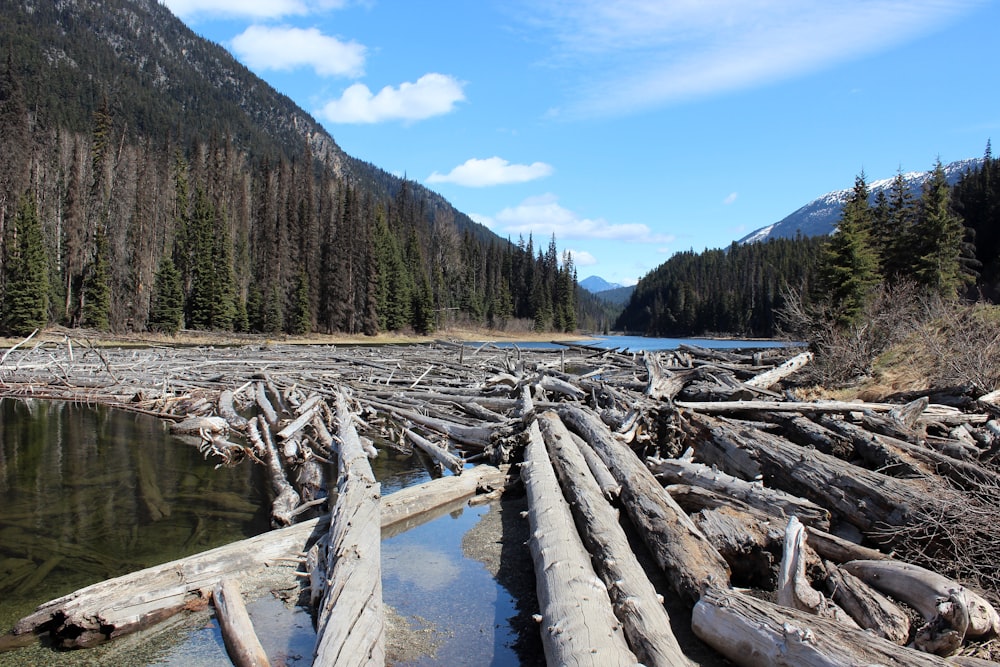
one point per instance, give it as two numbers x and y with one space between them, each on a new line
629 129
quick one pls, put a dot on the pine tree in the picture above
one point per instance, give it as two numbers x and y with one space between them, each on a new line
300 318
849 266
938 239
97 287
166 314
25 304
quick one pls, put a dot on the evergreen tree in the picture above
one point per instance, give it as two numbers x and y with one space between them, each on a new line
938 239
849 266
300 318
166 313
25 304
896 246
97 287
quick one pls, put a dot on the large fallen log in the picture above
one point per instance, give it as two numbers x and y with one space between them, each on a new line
238 635
141 599
753 632
870 609
685 555
578 625
350 620
633 597
756 495
768 379
861 497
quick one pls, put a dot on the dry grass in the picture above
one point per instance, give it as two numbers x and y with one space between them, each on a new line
192 338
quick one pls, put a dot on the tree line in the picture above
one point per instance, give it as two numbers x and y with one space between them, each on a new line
104 231
944 240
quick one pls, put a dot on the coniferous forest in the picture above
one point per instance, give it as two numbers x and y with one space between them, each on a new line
150 181
944 241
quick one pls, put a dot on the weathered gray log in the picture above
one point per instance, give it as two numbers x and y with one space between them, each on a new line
749 541
413 501
241 641
264 403
925 590
662 384
684 554
306 412
609 485
205 426
228 412
578 625
285 498
633 597
854 494
870 609
754 494
794 590
350 620
436 452
768 379
752 632
472 436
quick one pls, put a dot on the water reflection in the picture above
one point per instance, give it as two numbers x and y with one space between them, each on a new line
88 493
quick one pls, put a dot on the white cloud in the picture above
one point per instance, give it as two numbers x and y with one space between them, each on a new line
430 95
286 48
582 258
259 9
637 54
731 198
476 173
544 216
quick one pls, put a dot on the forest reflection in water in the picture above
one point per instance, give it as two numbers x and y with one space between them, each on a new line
90 492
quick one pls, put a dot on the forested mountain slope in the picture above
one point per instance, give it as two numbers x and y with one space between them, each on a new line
172 187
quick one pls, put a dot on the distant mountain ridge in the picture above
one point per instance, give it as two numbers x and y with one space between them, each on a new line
596 284
820 216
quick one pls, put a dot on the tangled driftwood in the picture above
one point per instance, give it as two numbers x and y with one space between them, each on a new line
738 492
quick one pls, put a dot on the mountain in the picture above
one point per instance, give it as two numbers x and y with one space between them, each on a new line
596 284
820 216
163 171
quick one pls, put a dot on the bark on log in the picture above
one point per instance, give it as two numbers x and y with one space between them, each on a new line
436 452
752 632
610 487
794 590
578 625
870 609
685 555
350 621
241 641
773 502
859 496
633 598
924 590
285 498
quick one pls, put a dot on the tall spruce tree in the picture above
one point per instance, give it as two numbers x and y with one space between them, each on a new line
97 287
849 265
938 239
166 313
25 303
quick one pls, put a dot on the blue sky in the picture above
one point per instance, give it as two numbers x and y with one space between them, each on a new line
630 129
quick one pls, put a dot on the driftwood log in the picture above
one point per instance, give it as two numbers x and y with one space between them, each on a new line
578 625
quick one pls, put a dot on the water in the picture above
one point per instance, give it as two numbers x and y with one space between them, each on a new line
88 493
640 343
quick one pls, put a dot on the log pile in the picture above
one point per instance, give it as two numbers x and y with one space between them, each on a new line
795 532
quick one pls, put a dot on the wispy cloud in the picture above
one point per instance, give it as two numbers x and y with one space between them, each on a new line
430 95
543 216
731 198
257 9
640 54
476 173
287 48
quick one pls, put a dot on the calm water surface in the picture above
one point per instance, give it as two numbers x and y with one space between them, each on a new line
88 493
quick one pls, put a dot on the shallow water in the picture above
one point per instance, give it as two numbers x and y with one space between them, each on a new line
92 493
